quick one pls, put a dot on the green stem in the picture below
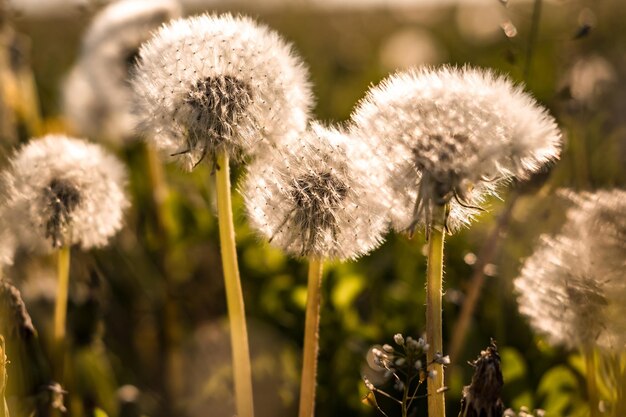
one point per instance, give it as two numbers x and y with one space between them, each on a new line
434 285
405 401
532 40
311 338
60 308
234 298
159 191
592 385
4 408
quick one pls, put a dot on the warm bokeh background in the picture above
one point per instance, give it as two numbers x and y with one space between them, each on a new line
150 313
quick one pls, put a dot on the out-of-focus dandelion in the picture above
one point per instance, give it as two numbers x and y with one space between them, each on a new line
97 97
572 288
7 244
219 86
316 197
449 136
59 192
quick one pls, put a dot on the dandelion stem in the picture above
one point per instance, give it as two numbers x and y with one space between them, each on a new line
592 385
311 338
4 408
532 40
434 284
60 308
234 298
159 190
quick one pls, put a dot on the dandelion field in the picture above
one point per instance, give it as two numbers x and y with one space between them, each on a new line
147 329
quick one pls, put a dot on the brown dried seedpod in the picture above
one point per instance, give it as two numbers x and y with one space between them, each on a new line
482 397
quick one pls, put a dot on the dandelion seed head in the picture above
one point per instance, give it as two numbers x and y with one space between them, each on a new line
61 191
572 288
7 241
97 97
317 196
452 135
218 82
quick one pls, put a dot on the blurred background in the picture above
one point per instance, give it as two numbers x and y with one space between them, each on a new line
147 315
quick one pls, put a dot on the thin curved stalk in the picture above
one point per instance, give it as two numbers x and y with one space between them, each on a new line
434 287
532 41
311 338
486 255
242 370
60 308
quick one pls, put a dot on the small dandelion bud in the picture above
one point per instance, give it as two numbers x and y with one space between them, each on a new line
450 136
572 287
442 360
97 97
317 197
418 364
388 348
61 191
219 83
398 339
57 397
400 362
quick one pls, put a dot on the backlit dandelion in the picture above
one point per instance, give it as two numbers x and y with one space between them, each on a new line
97 97
572 288
217 83
62 191
219 86
317 197
450 136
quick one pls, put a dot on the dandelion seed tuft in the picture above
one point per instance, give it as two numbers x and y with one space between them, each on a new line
452 135
216 83
61 191
97 98
317 196
572 287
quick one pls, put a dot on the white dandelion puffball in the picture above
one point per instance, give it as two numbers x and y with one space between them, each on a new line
449 136
317 197
7 244
572 288
61 191
216 83
97 97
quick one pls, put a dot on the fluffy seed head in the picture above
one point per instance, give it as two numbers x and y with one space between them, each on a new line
97 97
449 136
572 288
61 191
218 82
317 196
